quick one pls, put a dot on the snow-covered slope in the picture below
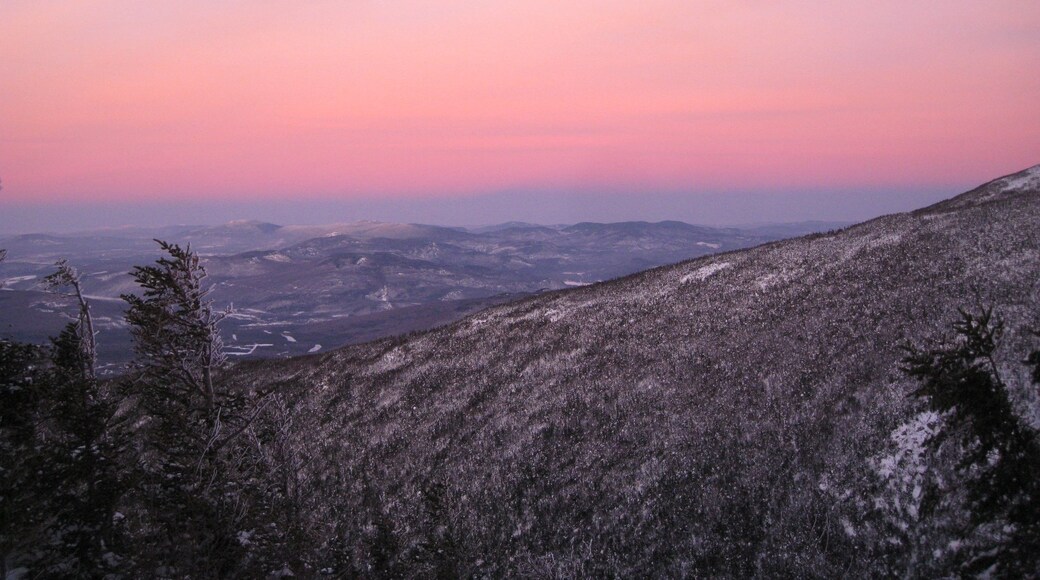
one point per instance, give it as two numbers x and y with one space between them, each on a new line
710 417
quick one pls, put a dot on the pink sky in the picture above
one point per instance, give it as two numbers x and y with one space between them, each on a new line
125 100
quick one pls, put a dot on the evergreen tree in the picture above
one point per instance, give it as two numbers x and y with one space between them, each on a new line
22 518
86 454
175 331
961 382
194 495
61 478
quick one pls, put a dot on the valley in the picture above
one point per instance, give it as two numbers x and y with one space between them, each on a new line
294 288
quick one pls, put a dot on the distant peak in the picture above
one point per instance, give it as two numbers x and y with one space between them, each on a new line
262 226
247 223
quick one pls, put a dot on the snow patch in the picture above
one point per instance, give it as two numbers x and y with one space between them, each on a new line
1026 180
488 316
288 337
381 295
102 298
315 348
910 439
18 279
768 281
555 314
278 258
703 273
711 245
244 350
575 283
885 240
850 531
393 359
904 469
872 241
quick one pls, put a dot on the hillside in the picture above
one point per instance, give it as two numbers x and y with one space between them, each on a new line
721 416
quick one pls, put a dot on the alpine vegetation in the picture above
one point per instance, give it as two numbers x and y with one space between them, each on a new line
997 476
858 403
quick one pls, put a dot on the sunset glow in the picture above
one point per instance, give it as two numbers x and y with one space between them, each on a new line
131 101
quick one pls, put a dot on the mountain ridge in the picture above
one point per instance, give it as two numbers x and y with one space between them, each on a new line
706 417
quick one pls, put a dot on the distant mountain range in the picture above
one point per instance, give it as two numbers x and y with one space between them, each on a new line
736 415
300 289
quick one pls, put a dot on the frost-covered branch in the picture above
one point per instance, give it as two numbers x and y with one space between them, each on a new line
67 276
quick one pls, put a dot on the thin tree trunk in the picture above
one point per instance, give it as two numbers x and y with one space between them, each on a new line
90 344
